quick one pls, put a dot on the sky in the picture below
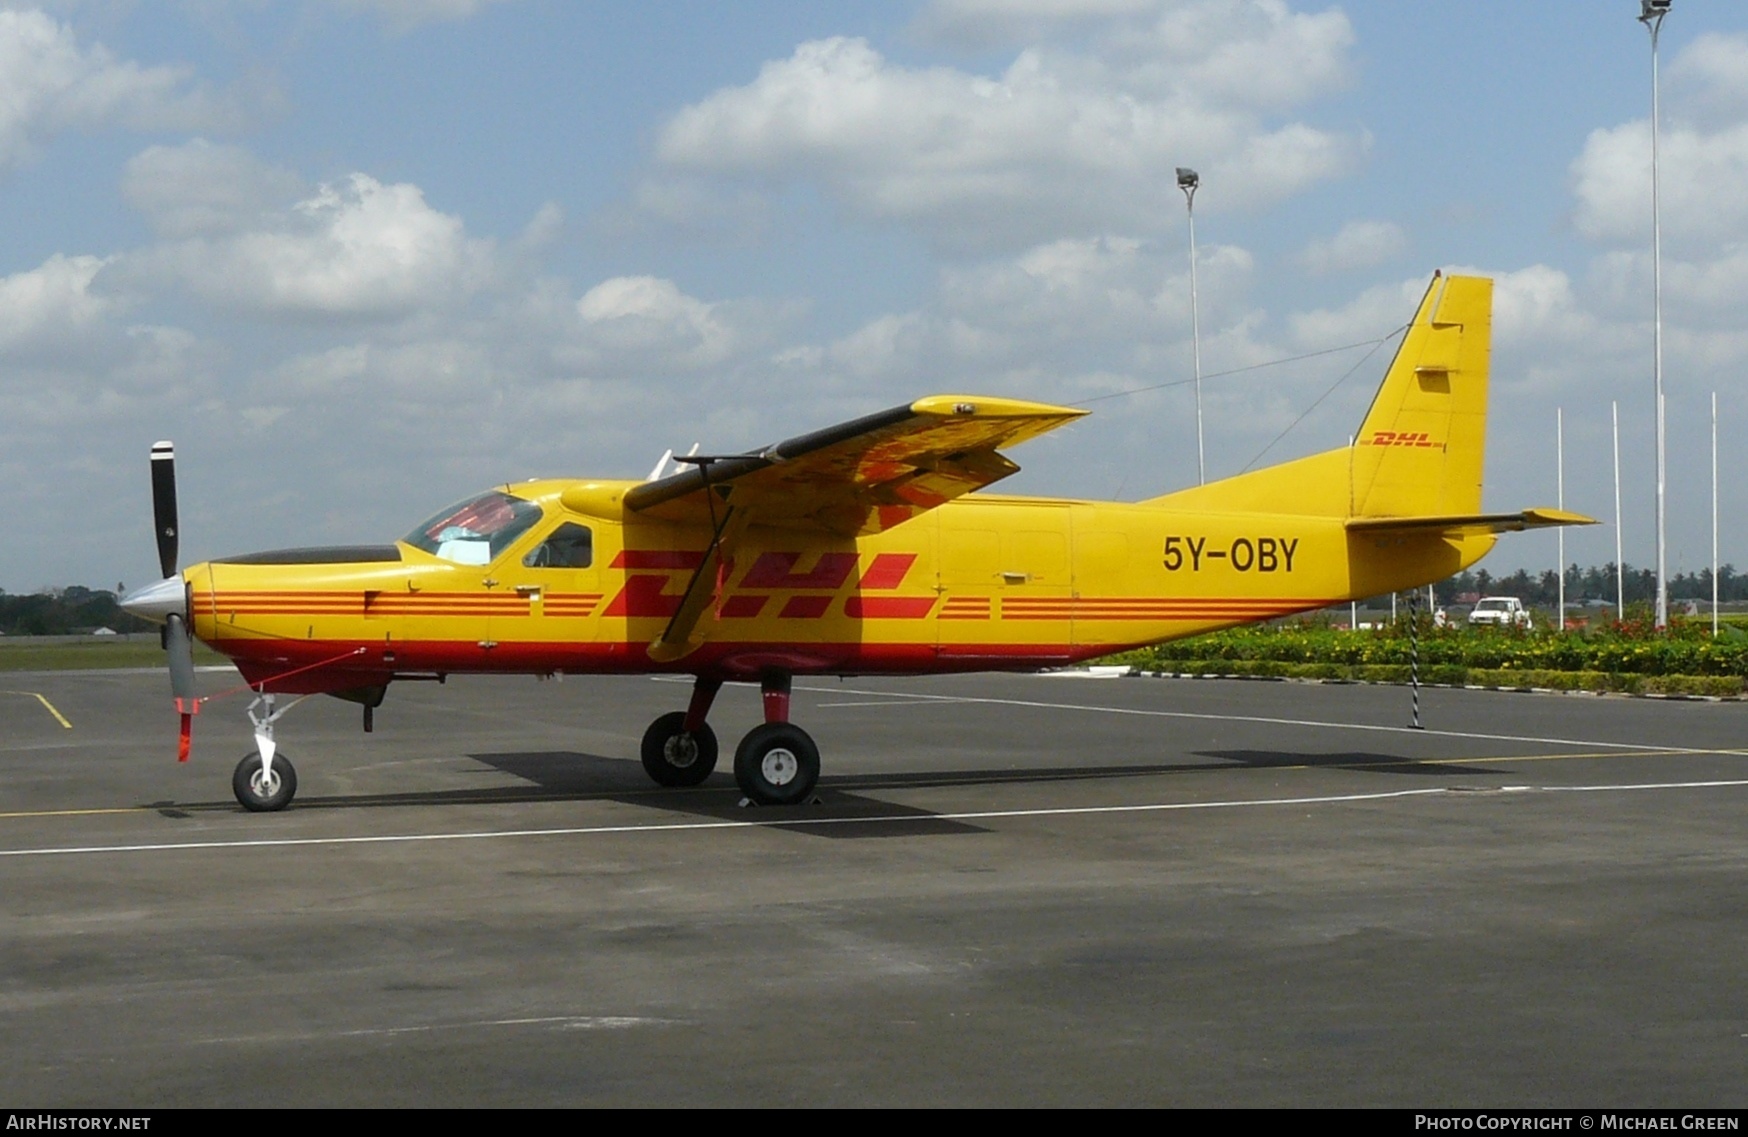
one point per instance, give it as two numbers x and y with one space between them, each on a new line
361 258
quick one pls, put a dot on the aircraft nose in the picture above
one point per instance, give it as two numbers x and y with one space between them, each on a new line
157 602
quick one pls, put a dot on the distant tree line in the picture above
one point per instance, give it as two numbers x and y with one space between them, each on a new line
1593 583
65 612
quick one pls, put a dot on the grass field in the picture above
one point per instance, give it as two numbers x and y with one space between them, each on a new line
89 652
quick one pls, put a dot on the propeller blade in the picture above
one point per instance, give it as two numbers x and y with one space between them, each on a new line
164 505
181 649
181 652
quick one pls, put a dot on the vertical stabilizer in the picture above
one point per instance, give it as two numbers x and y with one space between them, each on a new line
1419 451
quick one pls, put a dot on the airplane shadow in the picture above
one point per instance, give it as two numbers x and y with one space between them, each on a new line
851 815
1353 760
567 775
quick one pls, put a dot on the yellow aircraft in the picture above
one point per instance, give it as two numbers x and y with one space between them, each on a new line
859 549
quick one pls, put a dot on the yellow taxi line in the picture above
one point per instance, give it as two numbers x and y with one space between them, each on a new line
78 812
50 707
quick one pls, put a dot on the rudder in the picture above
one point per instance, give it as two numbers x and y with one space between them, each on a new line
1421 446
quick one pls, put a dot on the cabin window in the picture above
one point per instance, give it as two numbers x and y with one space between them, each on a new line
475 531
570 546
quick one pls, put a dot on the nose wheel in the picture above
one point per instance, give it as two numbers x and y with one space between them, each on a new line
264 787
264 781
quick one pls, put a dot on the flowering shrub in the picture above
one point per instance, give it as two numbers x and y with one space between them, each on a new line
1631 648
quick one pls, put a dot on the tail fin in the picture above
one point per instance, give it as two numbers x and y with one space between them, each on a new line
1419 450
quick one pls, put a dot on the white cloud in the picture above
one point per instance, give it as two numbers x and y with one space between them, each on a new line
49 83
1537 307
634 322
1533 307
50 305
1062 321
1072 285
356 248
201 188
1703 158
1056 144
1710 76
1372 313
1359 244
1702 174
320 373
988 23
1256 53
1248 53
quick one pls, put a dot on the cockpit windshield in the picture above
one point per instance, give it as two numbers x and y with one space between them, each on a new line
475 531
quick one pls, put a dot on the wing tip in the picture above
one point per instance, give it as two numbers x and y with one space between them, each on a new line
1540 517
990 406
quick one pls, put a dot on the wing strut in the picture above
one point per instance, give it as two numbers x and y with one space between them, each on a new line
677 640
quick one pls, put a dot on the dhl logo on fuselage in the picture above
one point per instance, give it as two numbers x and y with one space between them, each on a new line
1402 438
649 594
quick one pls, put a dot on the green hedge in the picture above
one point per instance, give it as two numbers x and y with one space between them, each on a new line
1449 675
1684 651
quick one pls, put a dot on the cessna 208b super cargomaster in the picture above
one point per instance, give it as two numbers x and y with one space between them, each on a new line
859 549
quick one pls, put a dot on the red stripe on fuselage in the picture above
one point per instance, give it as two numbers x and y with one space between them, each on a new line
261 659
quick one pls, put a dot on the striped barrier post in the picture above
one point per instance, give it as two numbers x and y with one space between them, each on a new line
1414 653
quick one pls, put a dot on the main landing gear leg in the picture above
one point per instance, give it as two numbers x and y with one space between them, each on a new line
679 749
777 763
265 781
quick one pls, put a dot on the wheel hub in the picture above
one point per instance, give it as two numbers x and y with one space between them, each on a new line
779 766
681 751
264 786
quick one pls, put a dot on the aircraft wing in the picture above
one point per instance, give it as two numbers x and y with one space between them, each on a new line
863 476
1470 522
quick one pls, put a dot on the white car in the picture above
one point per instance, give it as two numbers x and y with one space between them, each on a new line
1500 612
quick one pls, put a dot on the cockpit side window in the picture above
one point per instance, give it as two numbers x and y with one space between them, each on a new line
570 546
475 531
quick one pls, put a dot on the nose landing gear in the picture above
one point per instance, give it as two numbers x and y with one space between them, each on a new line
265 781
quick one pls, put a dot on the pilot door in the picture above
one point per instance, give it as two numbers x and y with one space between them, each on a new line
557 585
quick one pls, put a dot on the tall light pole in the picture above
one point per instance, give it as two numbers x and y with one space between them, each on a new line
1560 497
1620 583
1188 180
1651 13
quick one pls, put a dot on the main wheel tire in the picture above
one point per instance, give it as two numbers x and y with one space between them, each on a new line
777 764
675 756
264 795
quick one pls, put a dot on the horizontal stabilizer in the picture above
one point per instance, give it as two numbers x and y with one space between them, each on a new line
1470 522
